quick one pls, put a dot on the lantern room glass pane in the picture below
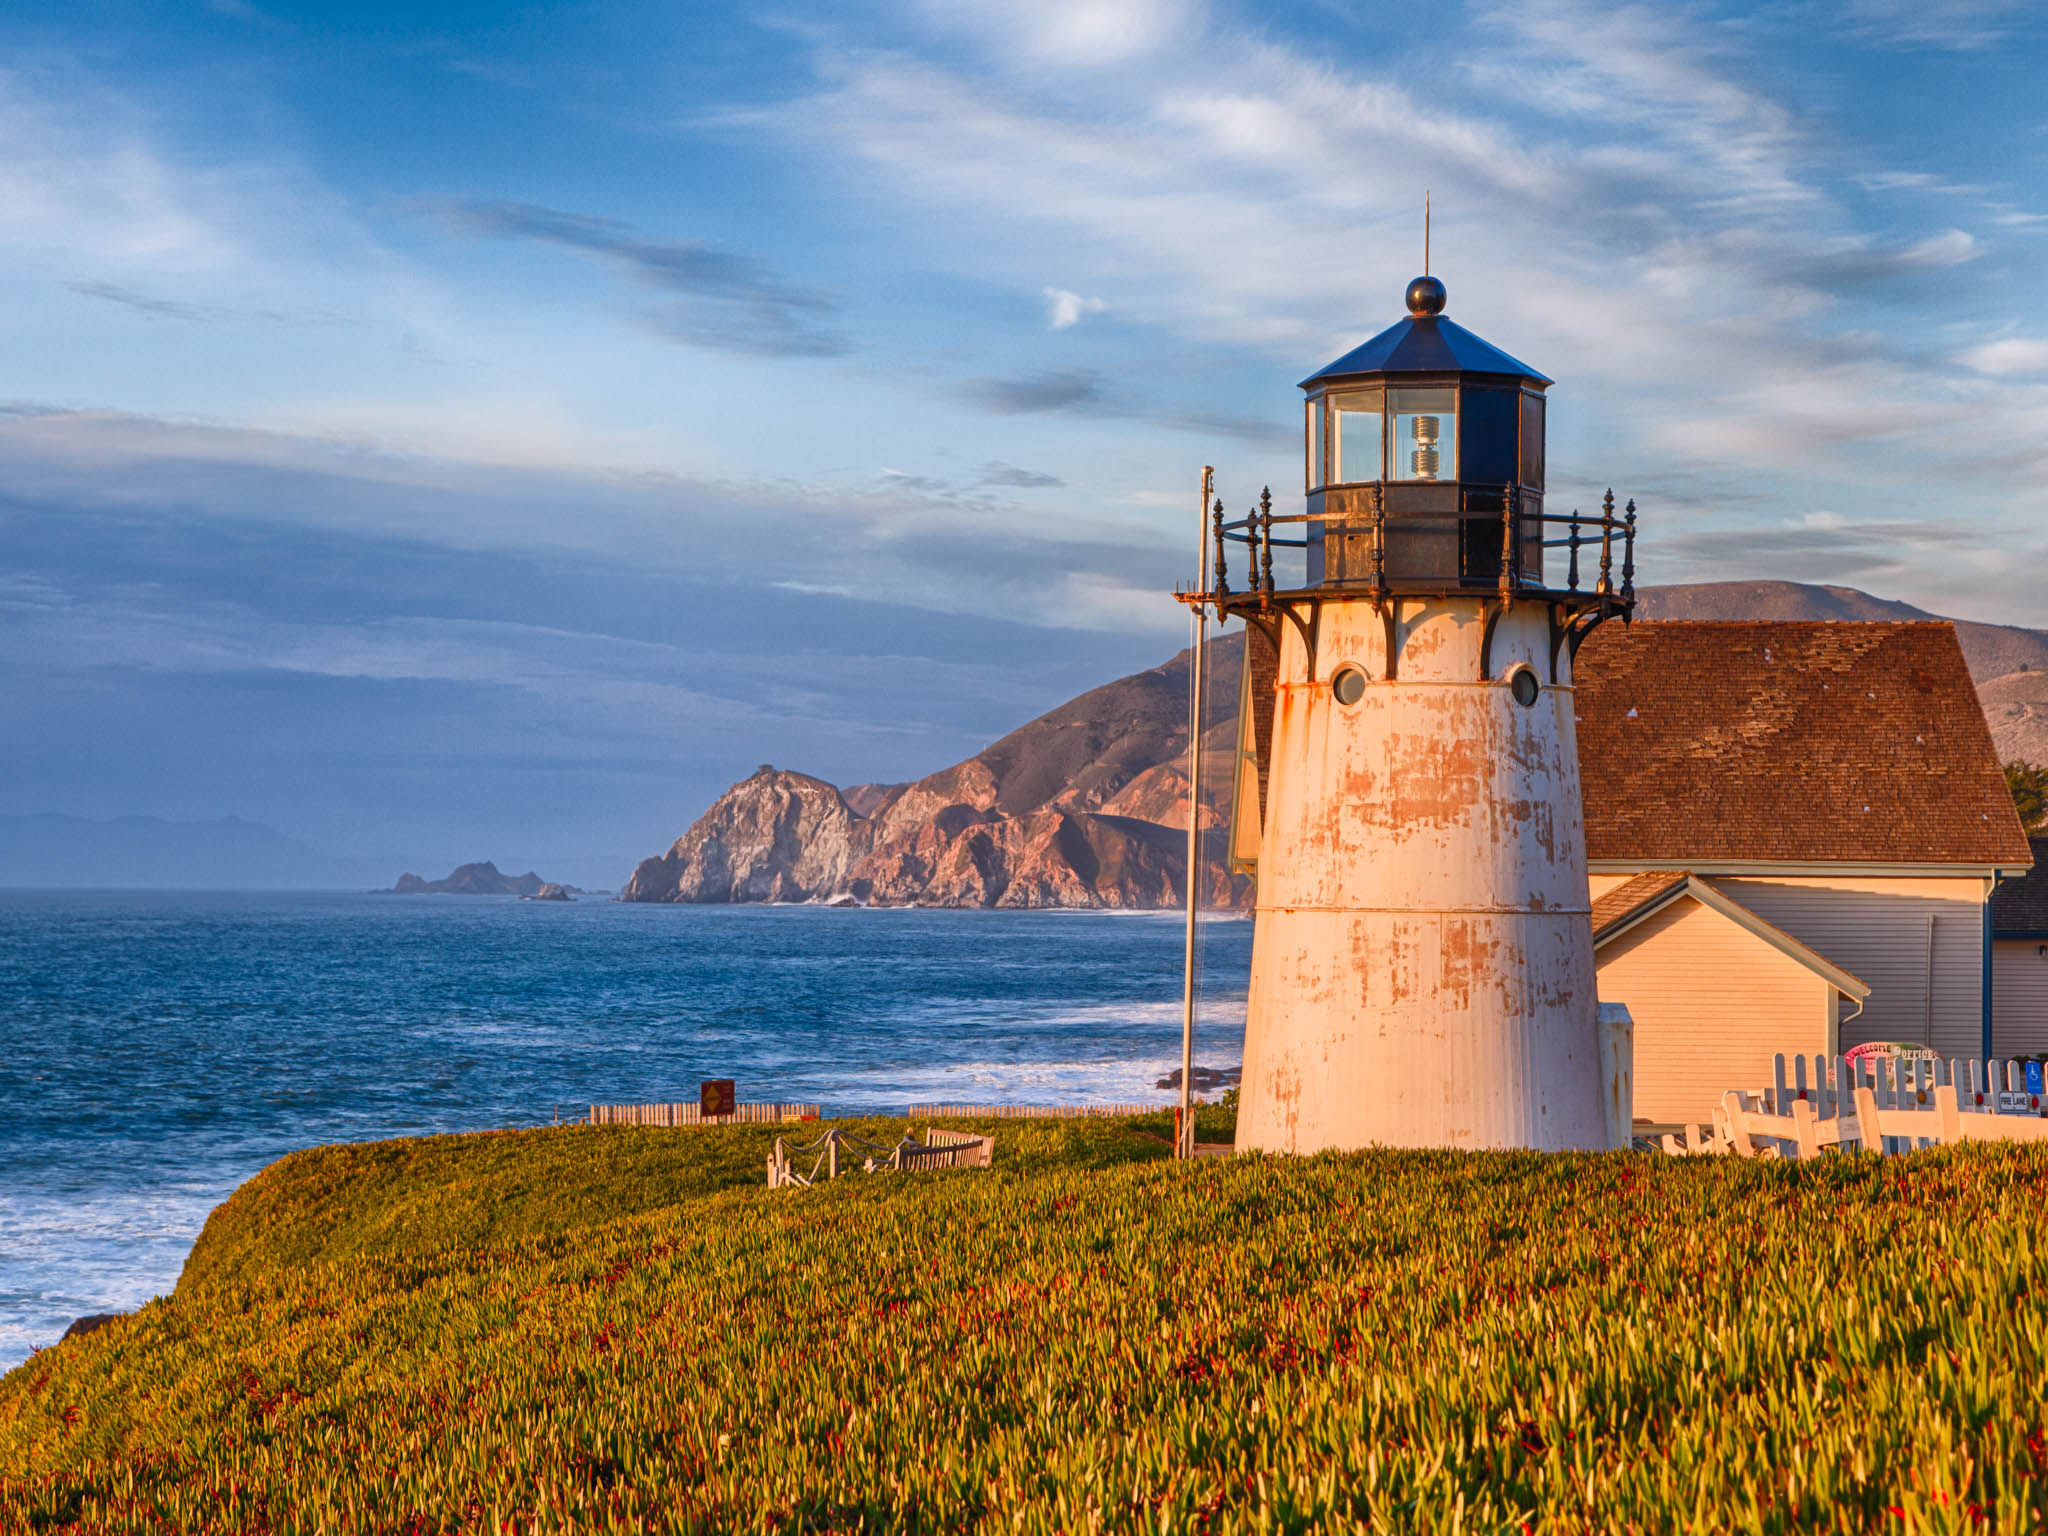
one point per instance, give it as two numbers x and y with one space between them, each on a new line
1487 428
1425 434
1532 440
1356 435
1315 443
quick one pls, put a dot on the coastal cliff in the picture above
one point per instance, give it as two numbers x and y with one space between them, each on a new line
1083 807
774 836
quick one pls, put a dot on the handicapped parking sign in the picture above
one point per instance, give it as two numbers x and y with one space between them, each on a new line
2033 1077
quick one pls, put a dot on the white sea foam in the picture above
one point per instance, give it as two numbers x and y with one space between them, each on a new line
63 1258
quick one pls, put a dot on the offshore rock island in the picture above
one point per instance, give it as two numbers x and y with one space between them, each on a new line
485 880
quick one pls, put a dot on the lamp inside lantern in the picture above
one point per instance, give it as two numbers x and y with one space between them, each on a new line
1425 434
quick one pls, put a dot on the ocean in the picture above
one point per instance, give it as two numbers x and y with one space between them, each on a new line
158 1048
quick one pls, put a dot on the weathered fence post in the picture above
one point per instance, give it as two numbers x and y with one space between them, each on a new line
1618 1073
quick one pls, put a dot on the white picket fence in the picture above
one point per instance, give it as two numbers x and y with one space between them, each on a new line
1882 1104
670 1115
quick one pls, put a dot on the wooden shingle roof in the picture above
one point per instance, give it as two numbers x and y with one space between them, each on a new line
1631 896
1860 743
2021 906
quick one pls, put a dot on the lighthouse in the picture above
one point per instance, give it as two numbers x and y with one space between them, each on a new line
1408 787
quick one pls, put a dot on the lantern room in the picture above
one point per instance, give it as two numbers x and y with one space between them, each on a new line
1424 455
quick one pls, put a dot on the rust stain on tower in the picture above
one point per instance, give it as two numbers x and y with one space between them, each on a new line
1408 782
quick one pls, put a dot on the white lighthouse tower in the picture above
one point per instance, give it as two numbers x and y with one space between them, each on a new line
1422 968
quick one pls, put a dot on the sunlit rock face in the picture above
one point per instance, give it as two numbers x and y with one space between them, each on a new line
1083 807
775 836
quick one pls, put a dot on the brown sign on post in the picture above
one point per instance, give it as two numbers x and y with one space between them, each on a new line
716 1097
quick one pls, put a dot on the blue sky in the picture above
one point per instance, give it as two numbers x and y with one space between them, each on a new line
476 431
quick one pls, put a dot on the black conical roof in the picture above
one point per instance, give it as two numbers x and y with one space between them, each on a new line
1425 344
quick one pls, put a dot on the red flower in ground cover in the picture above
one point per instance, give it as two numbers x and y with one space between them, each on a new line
1282 1354
1193 1368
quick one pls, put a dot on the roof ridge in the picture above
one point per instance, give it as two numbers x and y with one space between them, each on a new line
1797 623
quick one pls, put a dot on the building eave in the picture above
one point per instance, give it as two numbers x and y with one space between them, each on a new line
1842 981
1792 867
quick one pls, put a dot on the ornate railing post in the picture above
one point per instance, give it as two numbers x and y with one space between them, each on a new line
1266 523
1222 575
1379 549
1572 576
1628 556
1605 586
1507 547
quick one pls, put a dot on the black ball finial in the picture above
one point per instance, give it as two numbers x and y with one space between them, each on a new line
1426 296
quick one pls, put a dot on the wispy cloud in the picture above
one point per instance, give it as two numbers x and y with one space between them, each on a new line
2009 357
996 472
1956 25
127 298
1063 310
729 301
122 297
1031 393
1074 34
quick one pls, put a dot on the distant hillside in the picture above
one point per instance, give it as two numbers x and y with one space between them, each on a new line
133 852
2017 707
1087 805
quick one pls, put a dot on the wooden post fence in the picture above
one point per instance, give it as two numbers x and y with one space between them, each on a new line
692 1113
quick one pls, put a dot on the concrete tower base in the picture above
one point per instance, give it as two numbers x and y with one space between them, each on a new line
1422 971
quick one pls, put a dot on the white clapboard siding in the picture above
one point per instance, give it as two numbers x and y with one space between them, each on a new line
2019 996
1712 1004
1876 928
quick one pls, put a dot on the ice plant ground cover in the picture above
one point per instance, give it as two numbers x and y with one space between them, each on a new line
621 1330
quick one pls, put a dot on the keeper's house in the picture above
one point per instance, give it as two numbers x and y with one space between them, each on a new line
2019 959
1794 832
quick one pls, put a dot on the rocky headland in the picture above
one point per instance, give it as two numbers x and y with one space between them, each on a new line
1084 807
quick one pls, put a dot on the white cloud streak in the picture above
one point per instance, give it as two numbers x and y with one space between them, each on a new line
1619 200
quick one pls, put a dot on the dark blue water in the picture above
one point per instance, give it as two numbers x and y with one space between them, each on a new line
156 1049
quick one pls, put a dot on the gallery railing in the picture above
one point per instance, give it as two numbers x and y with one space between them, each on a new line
1506 567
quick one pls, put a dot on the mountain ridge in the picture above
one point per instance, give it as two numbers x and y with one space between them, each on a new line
1087 804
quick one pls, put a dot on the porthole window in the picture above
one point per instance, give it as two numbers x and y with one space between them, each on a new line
1348 685
1523 686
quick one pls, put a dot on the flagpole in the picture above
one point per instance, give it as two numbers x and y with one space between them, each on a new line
1186 1147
